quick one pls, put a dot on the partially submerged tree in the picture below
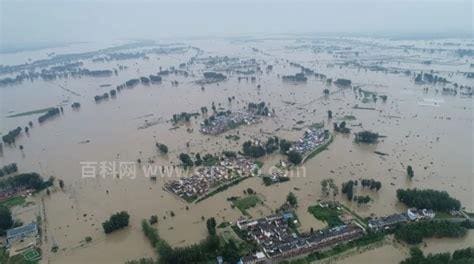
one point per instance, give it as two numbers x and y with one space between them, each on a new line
295 157
366 137
410 171
291 199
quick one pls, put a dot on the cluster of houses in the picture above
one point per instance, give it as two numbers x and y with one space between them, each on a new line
388 222
312 138
206 178
277 240
218 124
10 192
277 174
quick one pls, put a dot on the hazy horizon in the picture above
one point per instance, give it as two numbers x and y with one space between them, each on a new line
45 21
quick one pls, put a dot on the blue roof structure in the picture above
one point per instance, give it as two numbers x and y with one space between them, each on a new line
22 230
287 216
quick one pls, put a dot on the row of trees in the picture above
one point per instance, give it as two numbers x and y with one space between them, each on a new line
26 180
299 77
343 82
257 150
460 256
206 160
155 78
116 221
366 137
214 76
364 199
429 199
371 184
99 98
328 187
258 108
253 150
347 187
10 137
50 114
271 145
414 233
186 117
203 252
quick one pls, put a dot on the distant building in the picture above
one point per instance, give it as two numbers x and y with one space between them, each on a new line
256 258
387 222
18 234
416 214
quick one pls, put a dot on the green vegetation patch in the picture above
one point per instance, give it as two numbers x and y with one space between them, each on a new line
415 232
223 224
13 201
246 202
31 255
326 214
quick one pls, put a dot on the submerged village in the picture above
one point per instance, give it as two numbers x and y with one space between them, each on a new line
280 150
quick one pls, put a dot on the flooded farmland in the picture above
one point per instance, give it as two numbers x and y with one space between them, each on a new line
424 124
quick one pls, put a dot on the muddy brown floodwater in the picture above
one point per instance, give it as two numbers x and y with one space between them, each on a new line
435 138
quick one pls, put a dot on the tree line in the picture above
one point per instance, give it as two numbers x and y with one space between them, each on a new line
460 256
206 160
429 199
257 149
413 233
50 114
26 180
10 137
203 252
348 189
366 137
258 108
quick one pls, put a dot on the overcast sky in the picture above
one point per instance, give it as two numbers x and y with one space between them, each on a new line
32 21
